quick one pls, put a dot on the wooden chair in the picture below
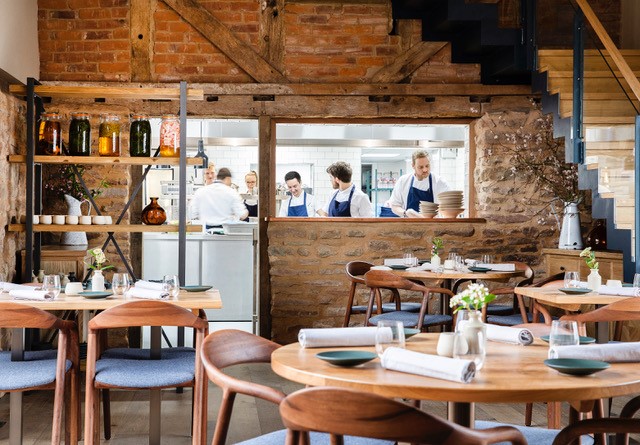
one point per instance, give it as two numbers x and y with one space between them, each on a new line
45 370
380 279
136 369
622 428
341 411
619 312
355 272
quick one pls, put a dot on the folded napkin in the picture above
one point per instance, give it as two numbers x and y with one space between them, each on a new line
470 262
394 262
6 287
149 294
607 352
504 267
623 291
411 362
30 294
143 284
381 268
421 268
329 337
506 334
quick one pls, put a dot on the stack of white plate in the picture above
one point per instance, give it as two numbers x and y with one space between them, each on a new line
428 209
450 203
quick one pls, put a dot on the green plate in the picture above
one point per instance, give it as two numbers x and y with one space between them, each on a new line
583 340
399 267
346 358
410 332
574 290
576 366
94 295
479 269
196 288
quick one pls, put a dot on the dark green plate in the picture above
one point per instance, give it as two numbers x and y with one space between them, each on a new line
196 288
574 290
346 358
479 269
410 332
583 340
421 262
94 295
399 267
576 366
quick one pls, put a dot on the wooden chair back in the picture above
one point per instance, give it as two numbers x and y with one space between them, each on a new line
233 347
384 279
620 311
355 271
342 411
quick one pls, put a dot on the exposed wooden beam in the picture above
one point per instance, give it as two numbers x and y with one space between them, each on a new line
217 33
140 36
272 32
407 62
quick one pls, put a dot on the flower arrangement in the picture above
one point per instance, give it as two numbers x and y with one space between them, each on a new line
590 258
474 297
436 246
97 259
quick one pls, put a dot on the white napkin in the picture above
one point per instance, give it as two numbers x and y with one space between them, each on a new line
607 352
506 334
470 262
149 294
411 362
30 294
143 284
6 287
380 268
420 268
622 291
329 337
503 267
394 262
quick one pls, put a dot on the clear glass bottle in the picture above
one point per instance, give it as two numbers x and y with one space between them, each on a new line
140 136
49 134
109 138
80 135
170 136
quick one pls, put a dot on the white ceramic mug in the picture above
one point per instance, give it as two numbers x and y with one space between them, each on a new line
58 219
98 219
445 344
614 283
449 264
71 219
73 288
36 219
85 220
108 219
45 219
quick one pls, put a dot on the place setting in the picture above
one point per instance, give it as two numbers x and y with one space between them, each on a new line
565 353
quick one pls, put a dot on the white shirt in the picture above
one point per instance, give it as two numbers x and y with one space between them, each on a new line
360 203
216 204
293 201
401 189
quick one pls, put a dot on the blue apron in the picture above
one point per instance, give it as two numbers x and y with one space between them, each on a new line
386 212
298 210
252 209
416 195
341 208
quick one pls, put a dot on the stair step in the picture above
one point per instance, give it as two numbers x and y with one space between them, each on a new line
610 133
610 147
608 84
601 108
592 62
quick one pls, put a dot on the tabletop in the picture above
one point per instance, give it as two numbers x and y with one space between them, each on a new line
554 297
455 275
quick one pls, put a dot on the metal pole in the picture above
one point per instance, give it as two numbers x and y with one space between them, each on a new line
636 219
578 87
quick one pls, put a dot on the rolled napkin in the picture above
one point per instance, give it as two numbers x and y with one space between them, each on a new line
6 287
149 294
381 268
506 334
30 294
411 362
622 291
504 267
607 352
143 284
329 337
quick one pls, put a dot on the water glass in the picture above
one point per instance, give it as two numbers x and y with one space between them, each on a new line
410 260
51 284
636 280
571 279
563 333
462 316
487 259
389 333
171 284
470 344
120 283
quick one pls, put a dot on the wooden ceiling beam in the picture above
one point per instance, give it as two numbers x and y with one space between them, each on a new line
406 63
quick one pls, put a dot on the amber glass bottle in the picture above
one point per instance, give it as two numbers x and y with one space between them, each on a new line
49 134
170 136
153 214
80 135
109 138
140 136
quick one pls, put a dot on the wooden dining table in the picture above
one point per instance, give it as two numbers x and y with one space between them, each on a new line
189 300
511 374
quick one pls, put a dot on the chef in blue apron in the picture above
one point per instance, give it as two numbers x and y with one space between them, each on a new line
251 203
299 203
348 200
419 185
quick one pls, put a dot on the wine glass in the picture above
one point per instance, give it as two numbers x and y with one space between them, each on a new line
563 333
51 284
120 283
571 279
171 284
389 333
410 260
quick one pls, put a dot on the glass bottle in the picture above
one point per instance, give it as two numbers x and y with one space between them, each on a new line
153 214
109 140
140 136
49 134
80 135
170 136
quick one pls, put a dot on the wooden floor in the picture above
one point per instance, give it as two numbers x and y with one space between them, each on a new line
251 418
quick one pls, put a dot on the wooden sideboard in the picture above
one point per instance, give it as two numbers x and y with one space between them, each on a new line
561 260
60 259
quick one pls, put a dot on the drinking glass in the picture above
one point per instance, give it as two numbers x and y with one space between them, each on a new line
410 260
563 333
389 333
636 280
470 344
171 284
120 283
462 316
572 279
487 259
51 284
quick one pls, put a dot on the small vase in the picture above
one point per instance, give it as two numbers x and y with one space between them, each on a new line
40 275
97 281
435 261
594 280
475 333
153 214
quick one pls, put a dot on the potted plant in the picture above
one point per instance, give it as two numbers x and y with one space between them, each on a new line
594 279
96 261
436 248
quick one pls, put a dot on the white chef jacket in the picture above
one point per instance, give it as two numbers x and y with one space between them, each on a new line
216 204
401 189
293 201
360 203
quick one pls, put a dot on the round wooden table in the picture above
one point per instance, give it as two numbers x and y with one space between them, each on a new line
511 374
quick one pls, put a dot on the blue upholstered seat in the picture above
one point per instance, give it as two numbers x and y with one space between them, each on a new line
410 319
508 320
388 307
278 438
38 368
499 309
537 436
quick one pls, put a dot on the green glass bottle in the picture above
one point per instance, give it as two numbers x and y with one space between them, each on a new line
80 135
140 136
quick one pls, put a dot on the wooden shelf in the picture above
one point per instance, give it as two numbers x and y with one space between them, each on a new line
99 228
111 92
100 160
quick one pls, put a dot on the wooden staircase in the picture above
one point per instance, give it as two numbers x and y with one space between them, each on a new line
608 127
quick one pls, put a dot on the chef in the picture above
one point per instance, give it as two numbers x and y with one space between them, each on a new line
419 185
251 203
218 203
348 200
300 203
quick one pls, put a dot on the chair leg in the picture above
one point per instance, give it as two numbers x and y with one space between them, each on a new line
554 415
347 315
106 408
528 414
